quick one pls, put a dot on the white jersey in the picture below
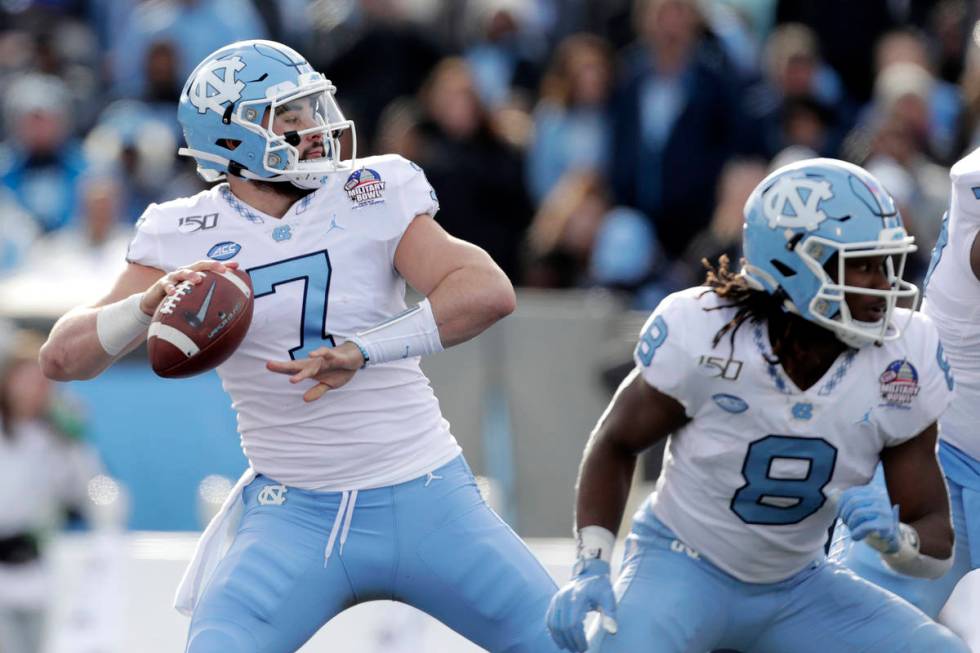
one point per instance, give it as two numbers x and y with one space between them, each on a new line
321 273
746 482
952 300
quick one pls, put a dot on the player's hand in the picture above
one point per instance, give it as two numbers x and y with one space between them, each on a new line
167 284
867 512
332 367
590 589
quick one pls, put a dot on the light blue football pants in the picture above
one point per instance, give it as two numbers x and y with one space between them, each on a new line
964 498
432 543
672 600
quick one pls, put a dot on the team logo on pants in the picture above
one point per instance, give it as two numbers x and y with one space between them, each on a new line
273 495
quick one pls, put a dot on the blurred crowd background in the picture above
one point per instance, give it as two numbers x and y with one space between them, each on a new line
582 143
585 144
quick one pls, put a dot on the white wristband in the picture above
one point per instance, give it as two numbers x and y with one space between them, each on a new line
595 542
411 333
119 324
909 561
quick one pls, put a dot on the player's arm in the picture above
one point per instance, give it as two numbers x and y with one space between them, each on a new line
88 339
465 292
909 525
915 482
638 417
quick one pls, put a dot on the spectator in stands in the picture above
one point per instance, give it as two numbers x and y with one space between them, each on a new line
132 144
675 121
799 101
18 230
571 120
388 57
163 83
943 99
563 232
892 143
504 53
46 468
94 247
724 235
478 174
195 27
398 129
40 162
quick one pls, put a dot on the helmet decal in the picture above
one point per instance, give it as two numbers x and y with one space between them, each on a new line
794 202
211 90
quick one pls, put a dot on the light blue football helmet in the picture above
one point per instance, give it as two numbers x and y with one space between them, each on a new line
229 101
802 214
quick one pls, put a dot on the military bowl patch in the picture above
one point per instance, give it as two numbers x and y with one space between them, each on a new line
365 187
899 384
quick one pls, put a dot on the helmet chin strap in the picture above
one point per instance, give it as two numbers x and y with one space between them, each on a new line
857 340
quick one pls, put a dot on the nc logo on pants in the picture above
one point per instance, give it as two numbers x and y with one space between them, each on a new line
273 495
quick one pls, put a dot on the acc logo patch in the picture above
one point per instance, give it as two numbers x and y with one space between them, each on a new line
365 187
794 202
216 84
899 384
224 251
730 403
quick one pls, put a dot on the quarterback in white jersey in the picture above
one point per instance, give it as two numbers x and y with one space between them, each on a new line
952 300
781 389
356 488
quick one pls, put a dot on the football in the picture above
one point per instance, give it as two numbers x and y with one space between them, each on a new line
199 326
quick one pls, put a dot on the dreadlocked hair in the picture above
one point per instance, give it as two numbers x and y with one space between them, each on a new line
753 305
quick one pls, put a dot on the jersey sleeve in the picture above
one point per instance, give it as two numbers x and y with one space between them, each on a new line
146 248
664 355
965 179
411 195
415 195
935 383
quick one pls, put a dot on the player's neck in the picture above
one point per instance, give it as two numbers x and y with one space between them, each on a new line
271 198
806 351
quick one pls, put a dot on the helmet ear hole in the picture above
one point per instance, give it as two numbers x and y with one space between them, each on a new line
783 269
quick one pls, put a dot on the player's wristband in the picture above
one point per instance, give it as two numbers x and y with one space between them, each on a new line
408 334
119 324
909 561
594 542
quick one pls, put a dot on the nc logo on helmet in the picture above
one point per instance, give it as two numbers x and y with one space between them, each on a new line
792 202
211 90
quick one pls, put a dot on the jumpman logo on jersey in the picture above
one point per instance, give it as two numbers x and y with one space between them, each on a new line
867 417
334 225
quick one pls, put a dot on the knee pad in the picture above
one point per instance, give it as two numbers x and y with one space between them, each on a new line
219 638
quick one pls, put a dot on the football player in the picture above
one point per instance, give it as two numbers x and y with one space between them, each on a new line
820 377
952 298
356 489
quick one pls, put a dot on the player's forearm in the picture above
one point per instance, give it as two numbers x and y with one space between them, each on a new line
604 484
469 300
74 351
935 535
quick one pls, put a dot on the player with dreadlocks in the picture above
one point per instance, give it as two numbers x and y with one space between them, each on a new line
825 377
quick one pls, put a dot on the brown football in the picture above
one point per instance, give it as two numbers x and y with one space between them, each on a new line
200 326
